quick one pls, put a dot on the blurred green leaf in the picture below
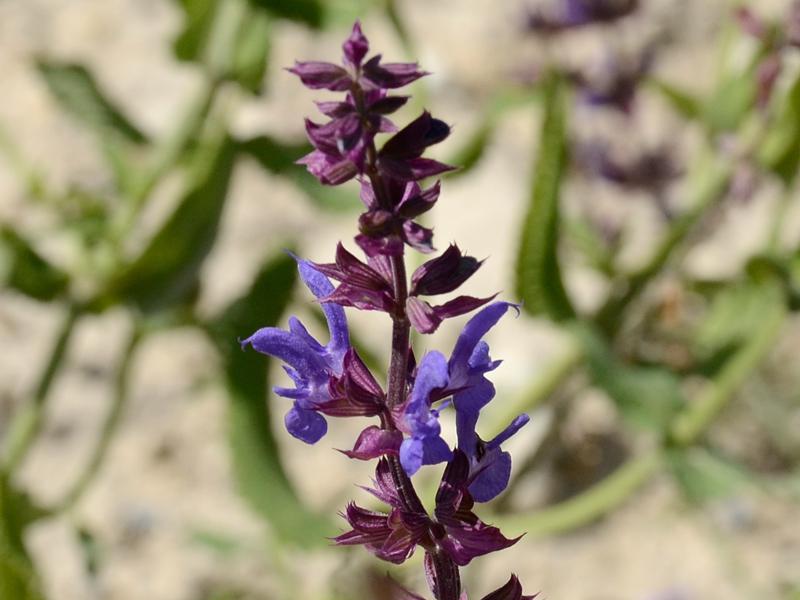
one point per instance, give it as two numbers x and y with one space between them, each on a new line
273 155
166 272
78 93
793 273
539 282
308 12
24 270
731 102
681 101
232 39
18 578
340 14
596 251
703 476
259 474
735 313
780 151
91 551
470 154
279 158
199 18
223 544
645 396
252 51
730 317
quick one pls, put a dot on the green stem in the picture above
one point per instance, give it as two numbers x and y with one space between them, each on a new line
695 420
110 426
591 504
27 424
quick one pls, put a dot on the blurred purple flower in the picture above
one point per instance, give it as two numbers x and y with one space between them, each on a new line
309 364
616 83
651 170
572 14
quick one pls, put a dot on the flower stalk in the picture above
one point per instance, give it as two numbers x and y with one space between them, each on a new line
331 380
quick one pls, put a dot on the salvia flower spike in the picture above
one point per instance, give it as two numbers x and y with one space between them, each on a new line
331 380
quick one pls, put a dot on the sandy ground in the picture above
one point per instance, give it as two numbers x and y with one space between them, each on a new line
167 479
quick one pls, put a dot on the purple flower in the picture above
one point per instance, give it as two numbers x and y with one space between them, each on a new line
463 377
372 75
512 590
490 467
362 286
393 536
309 364
425 446
572 14
368 286
462 536
440 276
443 274
455 530
354 393
384 229
400 156
341 144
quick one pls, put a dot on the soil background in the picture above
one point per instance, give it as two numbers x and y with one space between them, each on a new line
164 507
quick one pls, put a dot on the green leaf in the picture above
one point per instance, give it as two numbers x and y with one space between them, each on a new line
470 154
251 51
780 151
78 93
731 102
232 40
645 396
166 272
703 476
736 312
222 544
598 253
539 282
684 103
91 551
18 577
24 270
259 474
279 158
308 12
199 18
